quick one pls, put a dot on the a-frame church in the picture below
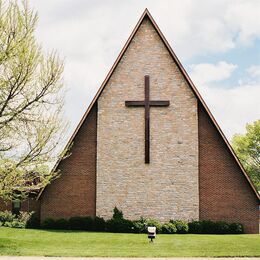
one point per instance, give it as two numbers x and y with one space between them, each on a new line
149 145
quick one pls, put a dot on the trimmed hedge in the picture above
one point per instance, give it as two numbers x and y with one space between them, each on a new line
118 224
49 223
33 221
62 224
121 225
217 227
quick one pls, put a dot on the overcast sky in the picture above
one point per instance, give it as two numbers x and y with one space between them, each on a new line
217 41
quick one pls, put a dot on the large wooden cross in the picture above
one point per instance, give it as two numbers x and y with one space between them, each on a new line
147 103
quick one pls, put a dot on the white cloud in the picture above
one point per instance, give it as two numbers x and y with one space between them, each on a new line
90 34
233 108
254 70
192 27
243 19
207 72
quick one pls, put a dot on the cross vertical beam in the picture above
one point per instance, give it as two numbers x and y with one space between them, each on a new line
147 103
147 118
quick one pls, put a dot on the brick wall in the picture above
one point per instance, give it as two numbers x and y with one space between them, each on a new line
5 206
167 188
74 193
225 193
28 205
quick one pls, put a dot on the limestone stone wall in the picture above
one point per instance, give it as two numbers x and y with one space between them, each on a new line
167 188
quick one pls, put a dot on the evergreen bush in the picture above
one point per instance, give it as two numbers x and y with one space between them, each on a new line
77 223
99 224
33 221
140 225
181 226
118 224
62 224
169 228
118 214
48 223
217 227
236 228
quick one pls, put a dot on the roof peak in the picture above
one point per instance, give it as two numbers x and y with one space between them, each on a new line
146 12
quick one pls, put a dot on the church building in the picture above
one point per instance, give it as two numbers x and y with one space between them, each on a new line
149 145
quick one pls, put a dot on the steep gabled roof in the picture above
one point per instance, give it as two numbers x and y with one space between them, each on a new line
146 14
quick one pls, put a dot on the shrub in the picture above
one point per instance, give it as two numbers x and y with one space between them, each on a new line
202 227
194 227
221 227
77 223
33 221
15 224
6 216
169 228
118 214
62 224
236 228
48 223
140 226
120 226
88 224
99 224
181 226
211 227
7 219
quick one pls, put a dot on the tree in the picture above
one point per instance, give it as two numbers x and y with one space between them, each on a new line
31 101
247 148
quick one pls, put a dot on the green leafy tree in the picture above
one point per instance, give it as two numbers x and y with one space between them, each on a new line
31 101
247 148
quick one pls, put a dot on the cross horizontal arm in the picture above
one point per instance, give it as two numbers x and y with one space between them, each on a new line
158 103
134 103
155 103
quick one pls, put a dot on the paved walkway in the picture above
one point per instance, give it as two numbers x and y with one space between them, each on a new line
121 258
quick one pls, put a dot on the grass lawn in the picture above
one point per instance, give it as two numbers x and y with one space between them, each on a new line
71 243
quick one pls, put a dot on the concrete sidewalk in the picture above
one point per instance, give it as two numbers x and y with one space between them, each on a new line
122 258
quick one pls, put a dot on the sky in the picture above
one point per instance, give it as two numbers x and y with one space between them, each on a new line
217 41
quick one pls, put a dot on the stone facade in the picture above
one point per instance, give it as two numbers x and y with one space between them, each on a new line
167 188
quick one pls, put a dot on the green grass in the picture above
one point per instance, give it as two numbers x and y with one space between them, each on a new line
71 243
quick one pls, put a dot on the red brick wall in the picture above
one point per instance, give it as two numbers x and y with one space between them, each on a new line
74 192
28 205
5 206
31 205
225 194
